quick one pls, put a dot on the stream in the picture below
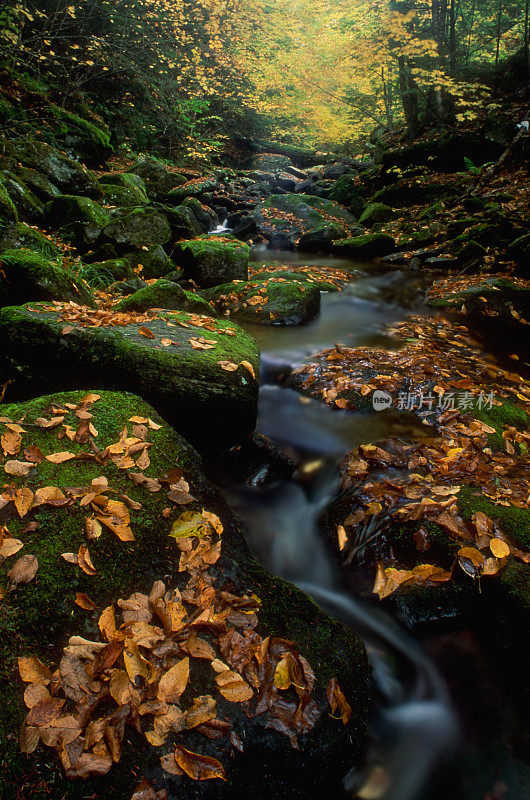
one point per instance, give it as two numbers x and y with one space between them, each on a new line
415 730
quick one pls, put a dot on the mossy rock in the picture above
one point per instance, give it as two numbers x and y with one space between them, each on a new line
70 176
292 275
273 301
91 141
192 188
376 212
8 212
165 294
27 276
122 196
182 221
154 262
27 204
205 216
137 227
369 245
125 180
157 178
39 184
104 273
212 407
40 617
283 219
211 261
494 298
79 219
413 192
321 239
271 161
20 235
350 193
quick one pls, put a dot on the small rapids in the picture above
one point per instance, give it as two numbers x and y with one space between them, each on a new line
413 726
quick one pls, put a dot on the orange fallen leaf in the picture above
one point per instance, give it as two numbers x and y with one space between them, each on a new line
84 601
198 767
60 458
147 333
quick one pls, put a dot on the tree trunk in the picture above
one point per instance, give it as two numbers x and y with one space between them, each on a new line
452 39
526 72
499 19
409 97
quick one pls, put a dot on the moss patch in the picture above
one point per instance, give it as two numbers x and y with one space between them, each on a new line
27 276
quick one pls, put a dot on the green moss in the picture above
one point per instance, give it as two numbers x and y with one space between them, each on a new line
107 272
211 261
78 218
26 203
22 235
91 140
28 276
164 294
281 302
8 212
290 275
214 408
515 522
497 417
64 172
122 196
369 245
193 188
138 227
125 180
154 262
376 212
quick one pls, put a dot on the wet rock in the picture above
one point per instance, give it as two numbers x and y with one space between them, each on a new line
443 154
210 261
413 192
90 141
215 408
39 184
283 219
271 161
192 188
19 235
205 216
70 176
258 461
350 193
137 227
105 273
153 262
320 240
122 196
157 179
27 204
125 180
28 276
78 219
270 301
165 294
8 212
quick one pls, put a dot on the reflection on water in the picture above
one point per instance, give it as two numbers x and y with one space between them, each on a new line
263 255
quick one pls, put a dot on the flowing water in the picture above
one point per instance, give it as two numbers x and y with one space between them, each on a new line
413 725
415 731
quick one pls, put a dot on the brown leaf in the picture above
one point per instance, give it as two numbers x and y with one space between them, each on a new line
23 571
198 767
337 701
11 442
9 548
233 687
60 458
174 681
50 495
499 548
29 739
202 710
23 500
146 332
45 711
84 560
144 791
18 468
201 343
84 601
229 366
35 693
32 670
248 366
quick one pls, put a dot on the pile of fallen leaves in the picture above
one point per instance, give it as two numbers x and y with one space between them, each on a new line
239 300
153 650
435 356
445 286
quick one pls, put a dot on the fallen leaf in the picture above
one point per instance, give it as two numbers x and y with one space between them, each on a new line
248 366
229 366
82 600
84 560
32 670
174 681
232 686
60 458
23 571
147 333
198 767
23 500
499 548
337 701
18 468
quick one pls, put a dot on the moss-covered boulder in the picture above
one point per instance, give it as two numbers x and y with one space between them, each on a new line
158 179
182 221
165 294
369 245
170 358
39 184
271 162
349 192
137 227
105 273
26 276
151 263
272 301
446 153
376 212
283 219
320 240
211 261
79 219
24 236
414 192
293 275
90 140
192 188
8 212
126 180
122 196
205 216
27 204
227 602
495 300
70 176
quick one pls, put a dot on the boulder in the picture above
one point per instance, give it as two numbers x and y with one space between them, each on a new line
154 262
27 204
90 141
269 301
165 294
376 212
8 212
271 161
447 153
205 216
320 240
137 227
122 196
182 221
126 180
369 245
132 548
105 273
192 188
70 176
283 219
211 261
79 219
28 276
182 379
157 178
20 235
350 193
414 192
39 184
